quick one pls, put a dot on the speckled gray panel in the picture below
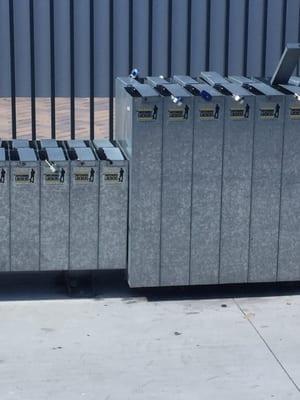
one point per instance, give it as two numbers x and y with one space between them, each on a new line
25 207
266 178
55 217
4 216
113 214
176 193
237 169
289 243
141 140
206 197
84 203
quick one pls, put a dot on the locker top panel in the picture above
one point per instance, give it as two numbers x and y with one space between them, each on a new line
26 154
224 86
100 143
113 154
19 143
2 154
55 154
85 154
184 80
171 89
137 89
292 89
76 143
203 90
156 80
294 80
255 86
48 143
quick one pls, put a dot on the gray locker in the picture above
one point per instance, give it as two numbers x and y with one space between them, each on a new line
84 205
139 134
176 181
113 209
25 209
289 243
207 180
266 180
4 210
236 178
54 209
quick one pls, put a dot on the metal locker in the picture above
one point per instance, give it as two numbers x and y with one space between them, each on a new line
25 207
4 208
139 134
236 178
266 177
84 206
206 181
113 209
54 209
176 181
289 244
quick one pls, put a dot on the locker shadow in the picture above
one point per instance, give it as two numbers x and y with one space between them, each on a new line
99 285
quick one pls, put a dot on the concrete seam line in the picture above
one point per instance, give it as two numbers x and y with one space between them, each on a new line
267 346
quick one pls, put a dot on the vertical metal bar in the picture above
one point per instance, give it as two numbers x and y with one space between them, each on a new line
170 10
264 41
72 74
207 55
52 77
246 33
32 71
130 31
12 69
283 38
227 37
189 37
111 67
150 38
92 80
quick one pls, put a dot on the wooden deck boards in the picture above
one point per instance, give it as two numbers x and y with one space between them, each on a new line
43 117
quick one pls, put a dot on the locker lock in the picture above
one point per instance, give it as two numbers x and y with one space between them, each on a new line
176 100
134 74
238 98
297 96
51 166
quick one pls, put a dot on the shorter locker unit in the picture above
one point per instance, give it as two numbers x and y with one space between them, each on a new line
24 206
206 180
176 189
236 178
84 204
113 209
4 208
55 207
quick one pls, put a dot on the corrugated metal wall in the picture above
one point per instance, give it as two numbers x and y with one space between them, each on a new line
76 48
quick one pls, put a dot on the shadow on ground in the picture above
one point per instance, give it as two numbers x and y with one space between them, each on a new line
110 284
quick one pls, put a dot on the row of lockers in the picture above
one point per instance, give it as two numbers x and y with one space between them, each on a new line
214 179
63 205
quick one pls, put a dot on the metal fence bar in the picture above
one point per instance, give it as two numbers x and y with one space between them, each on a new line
12 70
72 73
92 77
52 76
111 66
32 71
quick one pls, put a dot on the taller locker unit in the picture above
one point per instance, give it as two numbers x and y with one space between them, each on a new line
177 150
289 243
266 179
206 180
139 134
236 178
4 208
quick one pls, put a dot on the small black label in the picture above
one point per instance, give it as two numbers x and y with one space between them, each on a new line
295 112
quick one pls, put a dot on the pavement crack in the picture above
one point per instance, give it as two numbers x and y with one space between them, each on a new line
267 346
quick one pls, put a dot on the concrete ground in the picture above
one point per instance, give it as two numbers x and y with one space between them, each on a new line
127 345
